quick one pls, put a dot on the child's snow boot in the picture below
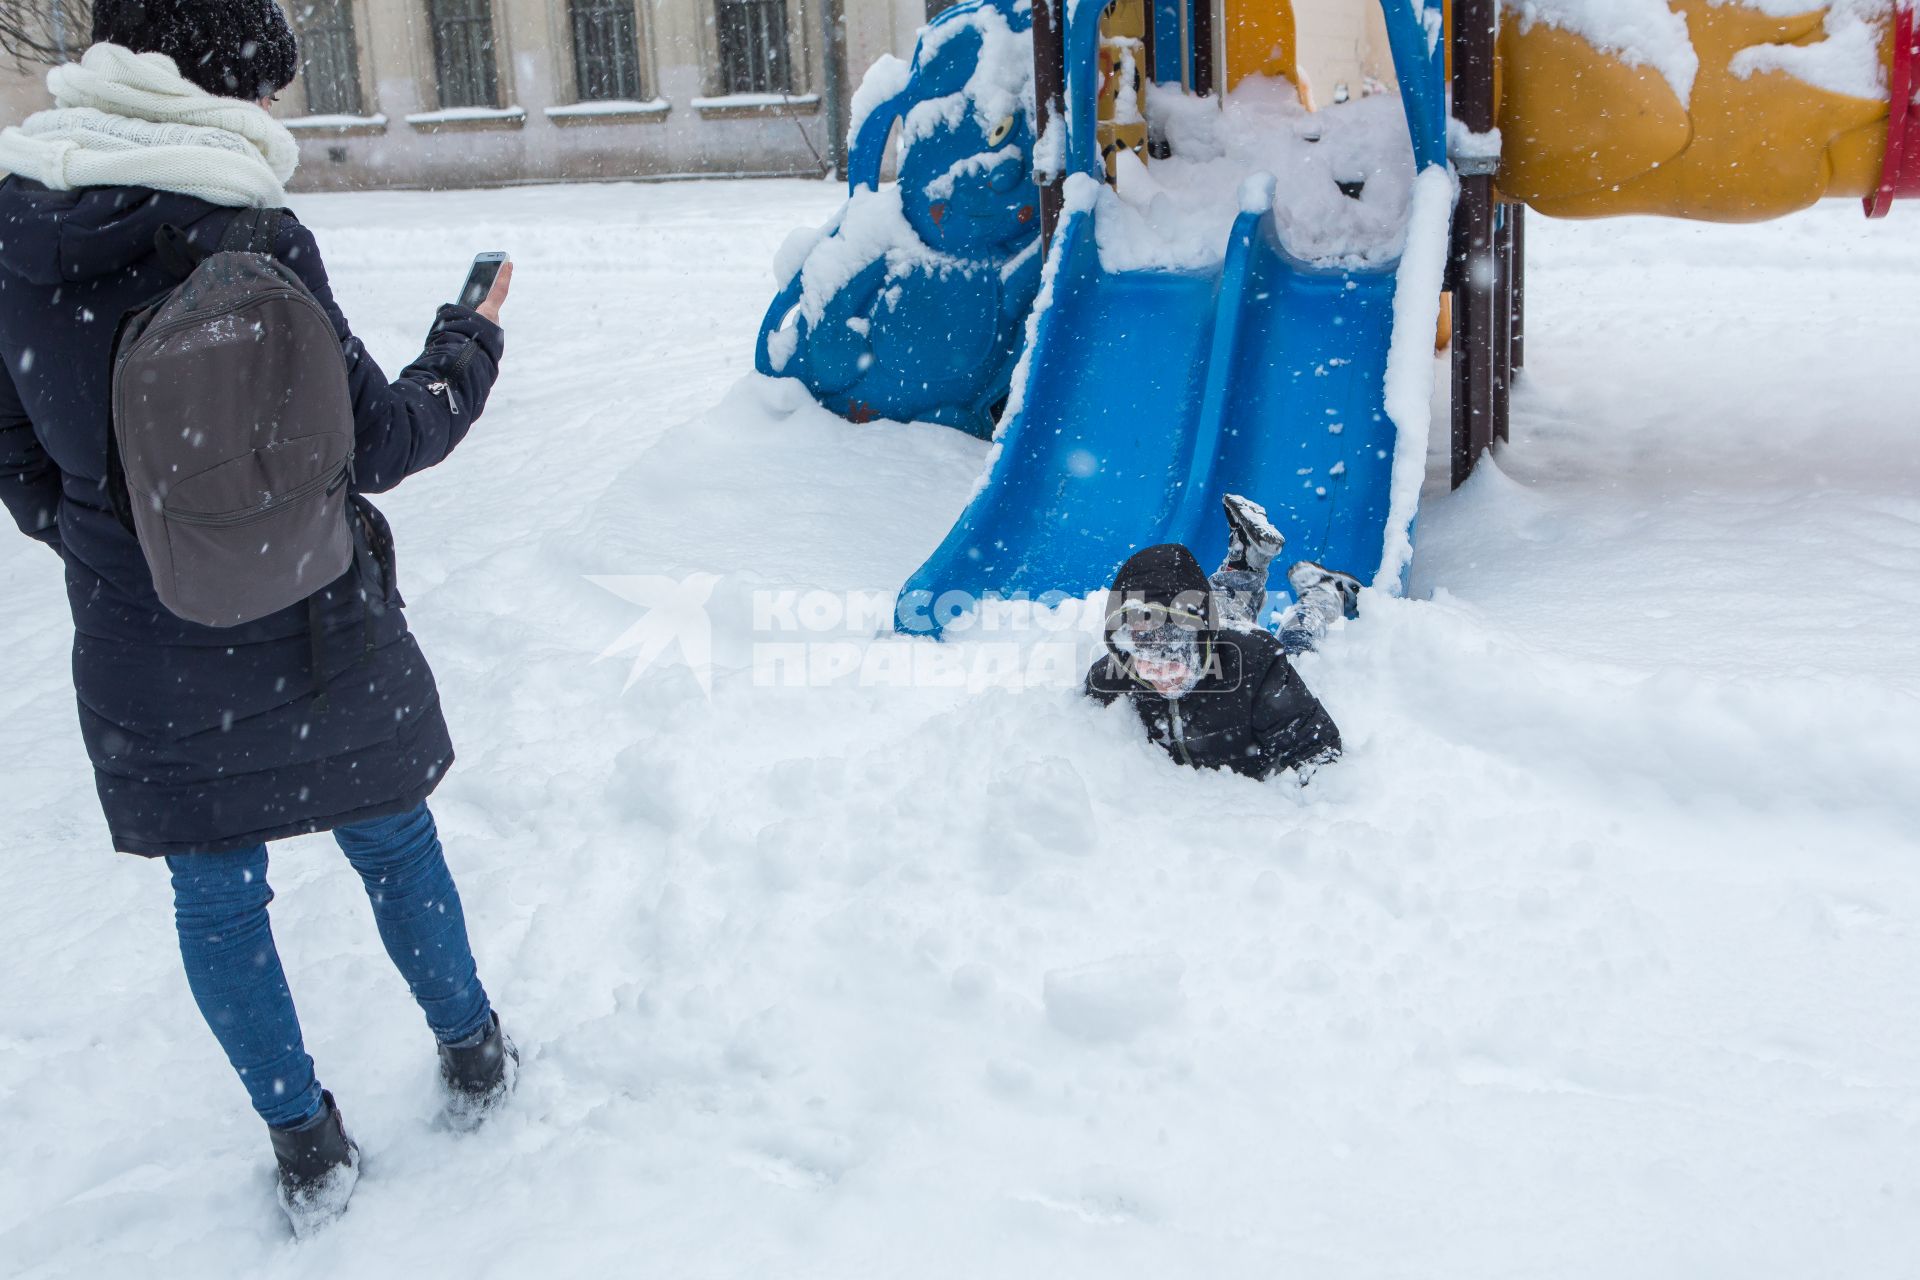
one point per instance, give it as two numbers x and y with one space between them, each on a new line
1252 541
479 1074
1306 575
319 1165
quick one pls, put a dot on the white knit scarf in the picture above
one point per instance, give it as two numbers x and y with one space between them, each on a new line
125 119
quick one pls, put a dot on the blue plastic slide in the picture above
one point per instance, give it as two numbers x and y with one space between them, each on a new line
1146 395
1295 412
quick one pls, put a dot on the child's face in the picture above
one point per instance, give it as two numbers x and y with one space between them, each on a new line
1163 645
1169 677
1164 650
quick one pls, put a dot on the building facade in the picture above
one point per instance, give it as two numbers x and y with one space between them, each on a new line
455 93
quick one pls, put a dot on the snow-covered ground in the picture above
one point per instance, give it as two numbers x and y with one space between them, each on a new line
1596 956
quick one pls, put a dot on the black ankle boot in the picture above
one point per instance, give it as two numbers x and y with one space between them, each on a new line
1252 541
1306 575
319 1165
478 1076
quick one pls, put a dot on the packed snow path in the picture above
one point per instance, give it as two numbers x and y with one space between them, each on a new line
1596 957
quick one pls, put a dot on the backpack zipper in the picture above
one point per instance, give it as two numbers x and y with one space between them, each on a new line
191 318
328 483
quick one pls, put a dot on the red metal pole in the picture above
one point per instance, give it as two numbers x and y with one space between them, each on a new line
1900 170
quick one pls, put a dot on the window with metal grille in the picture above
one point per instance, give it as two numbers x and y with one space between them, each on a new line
463 52
753 46
329 64
606 51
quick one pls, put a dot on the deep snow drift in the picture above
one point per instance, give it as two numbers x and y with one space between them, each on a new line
1594 958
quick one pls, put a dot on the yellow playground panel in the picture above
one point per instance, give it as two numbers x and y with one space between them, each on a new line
1585 134
1589 131
1260 40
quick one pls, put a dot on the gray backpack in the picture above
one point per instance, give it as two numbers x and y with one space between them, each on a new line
233 431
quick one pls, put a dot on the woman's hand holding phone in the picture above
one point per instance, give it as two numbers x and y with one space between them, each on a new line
487 283
490 305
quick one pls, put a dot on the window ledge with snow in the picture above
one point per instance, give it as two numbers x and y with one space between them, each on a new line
460 118
746 106
610 112
337 125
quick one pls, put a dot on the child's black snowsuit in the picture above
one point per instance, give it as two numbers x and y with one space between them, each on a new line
1250 711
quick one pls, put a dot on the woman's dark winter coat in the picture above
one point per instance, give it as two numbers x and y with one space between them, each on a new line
209 739
1250 711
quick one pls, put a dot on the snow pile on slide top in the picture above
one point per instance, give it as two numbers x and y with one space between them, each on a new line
1177 213
1647 33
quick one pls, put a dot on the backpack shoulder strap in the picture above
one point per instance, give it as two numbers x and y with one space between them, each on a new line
177 253
253 231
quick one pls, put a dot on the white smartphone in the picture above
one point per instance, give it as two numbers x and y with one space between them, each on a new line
486 269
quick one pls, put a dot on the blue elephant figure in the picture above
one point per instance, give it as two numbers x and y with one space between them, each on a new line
912 303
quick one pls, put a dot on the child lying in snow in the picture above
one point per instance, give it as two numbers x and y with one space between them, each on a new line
1210 685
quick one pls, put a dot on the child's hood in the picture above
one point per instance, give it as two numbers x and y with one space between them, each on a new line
1165 575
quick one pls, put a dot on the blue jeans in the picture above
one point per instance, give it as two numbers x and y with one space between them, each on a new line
220 908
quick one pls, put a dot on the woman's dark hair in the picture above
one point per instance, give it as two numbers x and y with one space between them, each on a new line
230 48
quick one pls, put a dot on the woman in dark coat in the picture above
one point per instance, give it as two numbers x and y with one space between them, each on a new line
206 743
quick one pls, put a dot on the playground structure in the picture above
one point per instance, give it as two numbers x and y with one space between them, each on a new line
1748 111
1144 392
911 303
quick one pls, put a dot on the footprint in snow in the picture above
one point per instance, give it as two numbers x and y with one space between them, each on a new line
805 1160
